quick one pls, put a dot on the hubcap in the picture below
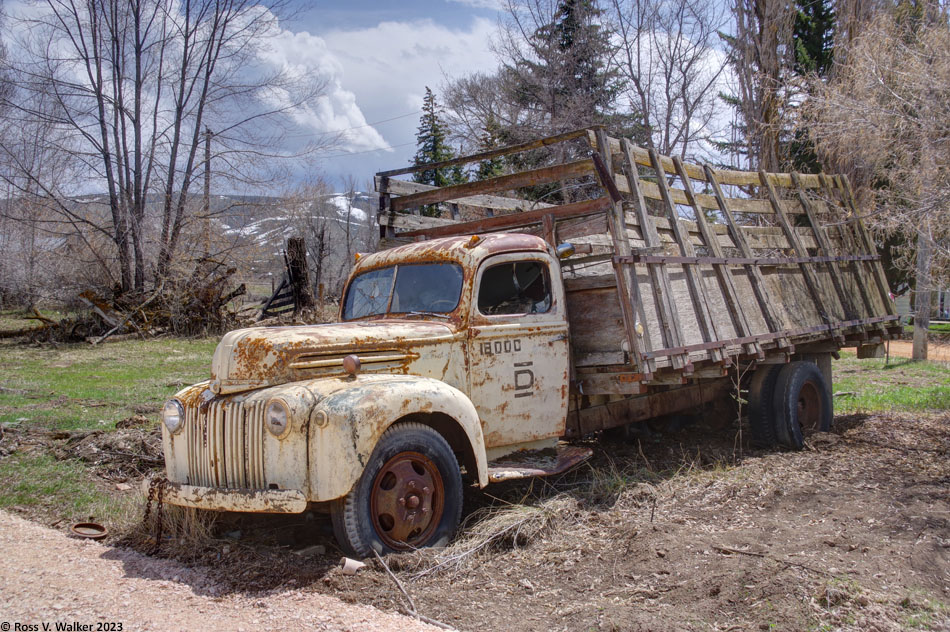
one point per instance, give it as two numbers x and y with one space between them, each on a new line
809 408
407 501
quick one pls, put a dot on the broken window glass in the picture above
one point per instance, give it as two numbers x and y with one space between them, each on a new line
425 288
519 287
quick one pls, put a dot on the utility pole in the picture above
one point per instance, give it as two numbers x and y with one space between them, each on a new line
206 207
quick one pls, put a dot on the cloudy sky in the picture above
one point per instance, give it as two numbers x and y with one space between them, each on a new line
378 58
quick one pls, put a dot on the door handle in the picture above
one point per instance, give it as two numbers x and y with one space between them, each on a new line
559 338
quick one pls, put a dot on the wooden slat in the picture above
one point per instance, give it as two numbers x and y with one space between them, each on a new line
738 205
401 187
667 314
851 247
755 276
723 274
877 271
825 248
403 221
514 220
694 280
627 285
724 176
810 279
543 175
494 153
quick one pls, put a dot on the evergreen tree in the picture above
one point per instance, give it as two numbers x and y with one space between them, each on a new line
492 167
813 38
433 146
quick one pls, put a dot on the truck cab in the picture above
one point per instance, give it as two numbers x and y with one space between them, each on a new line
448 354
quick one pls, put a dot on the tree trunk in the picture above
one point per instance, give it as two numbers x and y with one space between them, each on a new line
922 297
299 272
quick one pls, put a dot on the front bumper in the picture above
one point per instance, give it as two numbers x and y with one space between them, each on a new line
244 500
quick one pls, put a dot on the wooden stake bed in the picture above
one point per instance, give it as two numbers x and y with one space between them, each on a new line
680 270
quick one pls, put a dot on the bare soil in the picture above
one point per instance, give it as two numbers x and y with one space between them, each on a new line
938 350
47 578
683 527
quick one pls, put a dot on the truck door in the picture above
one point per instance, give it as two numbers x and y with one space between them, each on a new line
518 349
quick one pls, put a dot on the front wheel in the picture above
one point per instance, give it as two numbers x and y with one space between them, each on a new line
408 497
802 404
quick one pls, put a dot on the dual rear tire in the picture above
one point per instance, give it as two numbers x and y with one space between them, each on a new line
788 403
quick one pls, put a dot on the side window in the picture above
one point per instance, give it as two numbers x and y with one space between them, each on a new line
515 287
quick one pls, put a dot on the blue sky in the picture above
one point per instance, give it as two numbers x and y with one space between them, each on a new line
378 58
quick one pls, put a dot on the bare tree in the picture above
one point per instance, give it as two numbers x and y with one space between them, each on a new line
667 54
131 86
760 48
883 117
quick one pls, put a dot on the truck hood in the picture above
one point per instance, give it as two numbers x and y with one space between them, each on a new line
265 356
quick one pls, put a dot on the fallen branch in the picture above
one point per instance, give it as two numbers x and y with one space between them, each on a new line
128 318
729 551
411 609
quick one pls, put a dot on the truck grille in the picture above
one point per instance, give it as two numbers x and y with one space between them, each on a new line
226 445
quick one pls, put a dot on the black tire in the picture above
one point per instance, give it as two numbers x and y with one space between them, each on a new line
411 472
802 404
761 400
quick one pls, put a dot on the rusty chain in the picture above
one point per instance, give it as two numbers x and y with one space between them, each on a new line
156 492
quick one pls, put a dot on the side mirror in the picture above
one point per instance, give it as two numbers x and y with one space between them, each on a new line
565 250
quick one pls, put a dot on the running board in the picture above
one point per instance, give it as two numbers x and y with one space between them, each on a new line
537 463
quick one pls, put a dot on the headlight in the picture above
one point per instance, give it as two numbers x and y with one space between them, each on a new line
276 418
172 414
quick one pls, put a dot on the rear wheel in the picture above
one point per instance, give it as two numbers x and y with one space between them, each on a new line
408 497
761 399
802 404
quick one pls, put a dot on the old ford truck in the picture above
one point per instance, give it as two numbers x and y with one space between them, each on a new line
465 354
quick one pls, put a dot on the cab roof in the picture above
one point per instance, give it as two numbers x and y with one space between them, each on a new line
456 249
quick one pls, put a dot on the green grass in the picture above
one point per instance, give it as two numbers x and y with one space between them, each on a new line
16 319
81 386
872 385
935 328
42 484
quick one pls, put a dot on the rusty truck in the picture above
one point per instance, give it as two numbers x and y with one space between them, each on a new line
473 347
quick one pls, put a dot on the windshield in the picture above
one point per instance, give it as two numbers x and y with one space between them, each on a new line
423 288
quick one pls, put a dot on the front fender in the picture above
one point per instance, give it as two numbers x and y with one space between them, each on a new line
346 425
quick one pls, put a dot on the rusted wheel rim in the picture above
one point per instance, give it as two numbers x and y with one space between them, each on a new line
407 501
809 408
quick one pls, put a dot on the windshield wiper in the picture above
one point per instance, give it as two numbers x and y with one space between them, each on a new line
437 315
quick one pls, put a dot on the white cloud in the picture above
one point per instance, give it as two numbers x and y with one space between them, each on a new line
390 64
482 4
336 110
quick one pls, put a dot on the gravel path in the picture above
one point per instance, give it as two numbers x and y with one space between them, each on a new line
47 577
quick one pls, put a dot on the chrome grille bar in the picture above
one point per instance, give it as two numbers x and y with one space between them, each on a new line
225 444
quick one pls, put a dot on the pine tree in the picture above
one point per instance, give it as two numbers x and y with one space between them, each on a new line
492 167
813 37
432 146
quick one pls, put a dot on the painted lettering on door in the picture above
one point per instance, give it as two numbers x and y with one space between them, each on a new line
497 347
524 379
